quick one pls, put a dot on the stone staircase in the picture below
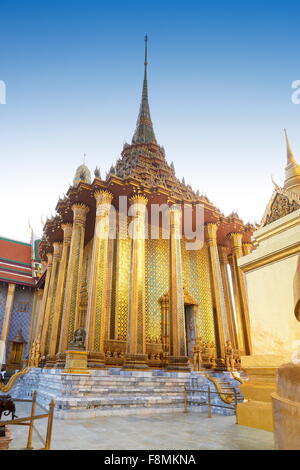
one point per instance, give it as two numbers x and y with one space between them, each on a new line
104 393
118 392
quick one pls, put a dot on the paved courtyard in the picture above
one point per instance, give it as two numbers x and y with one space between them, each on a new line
193 431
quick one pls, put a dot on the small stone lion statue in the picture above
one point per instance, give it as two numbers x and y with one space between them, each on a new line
78 344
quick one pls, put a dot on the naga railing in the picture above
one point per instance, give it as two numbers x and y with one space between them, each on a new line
4 388
190 399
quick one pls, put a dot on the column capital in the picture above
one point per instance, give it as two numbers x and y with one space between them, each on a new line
67 229
49 259
57 249
103 197
138 199
80 212
235 239
11 288
175 212
103 203
211 233
176 208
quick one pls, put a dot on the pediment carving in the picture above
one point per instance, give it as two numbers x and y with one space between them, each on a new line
282 203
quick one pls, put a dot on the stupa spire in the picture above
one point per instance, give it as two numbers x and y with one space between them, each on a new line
292 170
290 156
144 133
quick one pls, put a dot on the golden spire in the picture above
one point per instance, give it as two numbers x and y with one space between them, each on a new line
292 170
144 133
290 156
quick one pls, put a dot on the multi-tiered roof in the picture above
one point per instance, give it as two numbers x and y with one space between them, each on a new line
142 168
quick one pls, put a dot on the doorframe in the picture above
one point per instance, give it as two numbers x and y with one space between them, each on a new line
164 308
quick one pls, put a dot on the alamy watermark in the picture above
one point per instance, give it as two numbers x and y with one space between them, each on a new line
2 92
160 221
296 94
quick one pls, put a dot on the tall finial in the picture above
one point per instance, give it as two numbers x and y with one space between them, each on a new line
84 158
290 156
144 133
292 170
146 51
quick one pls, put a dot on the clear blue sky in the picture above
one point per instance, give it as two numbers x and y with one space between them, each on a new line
219 87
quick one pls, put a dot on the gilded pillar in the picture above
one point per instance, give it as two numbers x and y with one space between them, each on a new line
217 290
136 338
45 294
60 291
36 310
110 280
178 359
6 320
164 305
49 310
242 313
224 263
99 286
74 272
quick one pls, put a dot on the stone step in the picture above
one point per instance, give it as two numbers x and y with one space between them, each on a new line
104 383
113 380
104 386
118 411
118 401
133 393
136 389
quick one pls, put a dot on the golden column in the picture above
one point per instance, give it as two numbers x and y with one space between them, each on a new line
217 289
99 286
110 291
177 359
49 310
135 356
36 311
60 291
164 305
242 313
224 263
6 321
45 294
73 283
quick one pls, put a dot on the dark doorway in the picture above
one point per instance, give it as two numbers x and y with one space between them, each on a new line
190 332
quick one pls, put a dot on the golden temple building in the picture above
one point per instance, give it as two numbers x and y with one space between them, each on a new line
142 301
